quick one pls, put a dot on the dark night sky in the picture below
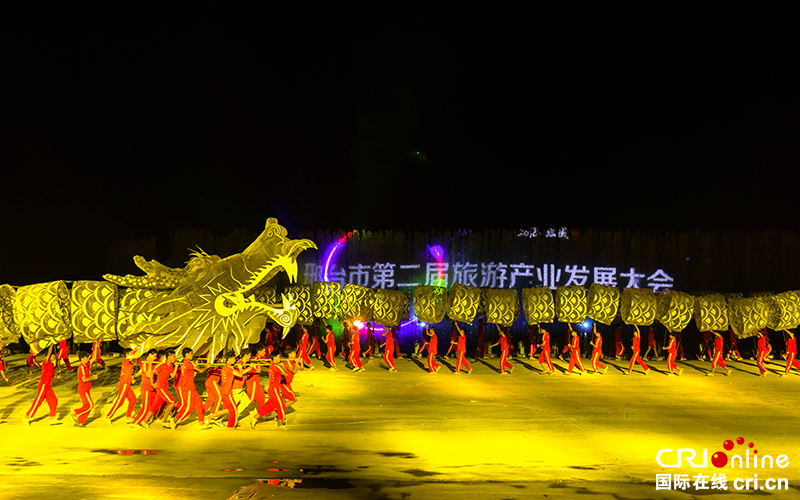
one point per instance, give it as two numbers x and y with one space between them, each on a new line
131 123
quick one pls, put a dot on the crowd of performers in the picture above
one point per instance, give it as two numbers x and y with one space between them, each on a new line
233 384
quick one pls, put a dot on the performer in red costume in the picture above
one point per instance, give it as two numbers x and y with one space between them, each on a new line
346 334
355 351
290 367
213 394
84 387
762 353
791 353
45 391
433 366
370 341
330 355
672 353
275 401
651 344
190 398
32 361
63 354
717 359
3 364
503 342
148 391
314 349
575 352
532 340
635 354
97 347
461 350
618 345
544 357
125 389
388 352
164 371
734 350
229 372
597 351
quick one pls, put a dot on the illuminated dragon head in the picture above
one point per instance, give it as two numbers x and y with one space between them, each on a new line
213 307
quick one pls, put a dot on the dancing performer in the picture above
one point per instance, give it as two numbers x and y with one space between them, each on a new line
532 341
503 342
63 354
619 347
575 352
597 351
84 387
355 351
635 352
275 402
461 350
791 353
290 367
651 344
124 390
3 364
734 350
717 359
190 398
482 347
31 362
97 347
45 390
370 341
229 372
672 353
330 355
388 352
213 394
762 353
433 366
544 356
314 349
147 390
255 391
164 372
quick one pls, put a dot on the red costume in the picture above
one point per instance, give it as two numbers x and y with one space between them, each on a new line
597 352
717 359
355 350
213 394
303 349
63 354
84 386
504 352
45 392
331 354
462 351
635 356
619 346
762 354
275 399
575 355
190 398
433 366
148 393
672 353
544 357
226 394
388 352
124 390
791 354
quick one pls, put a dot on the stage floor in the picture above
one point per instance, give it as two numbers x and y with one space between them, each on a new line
412 434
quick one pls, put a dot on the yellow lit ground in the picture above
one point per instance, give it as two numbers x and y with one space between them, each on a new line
413 434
